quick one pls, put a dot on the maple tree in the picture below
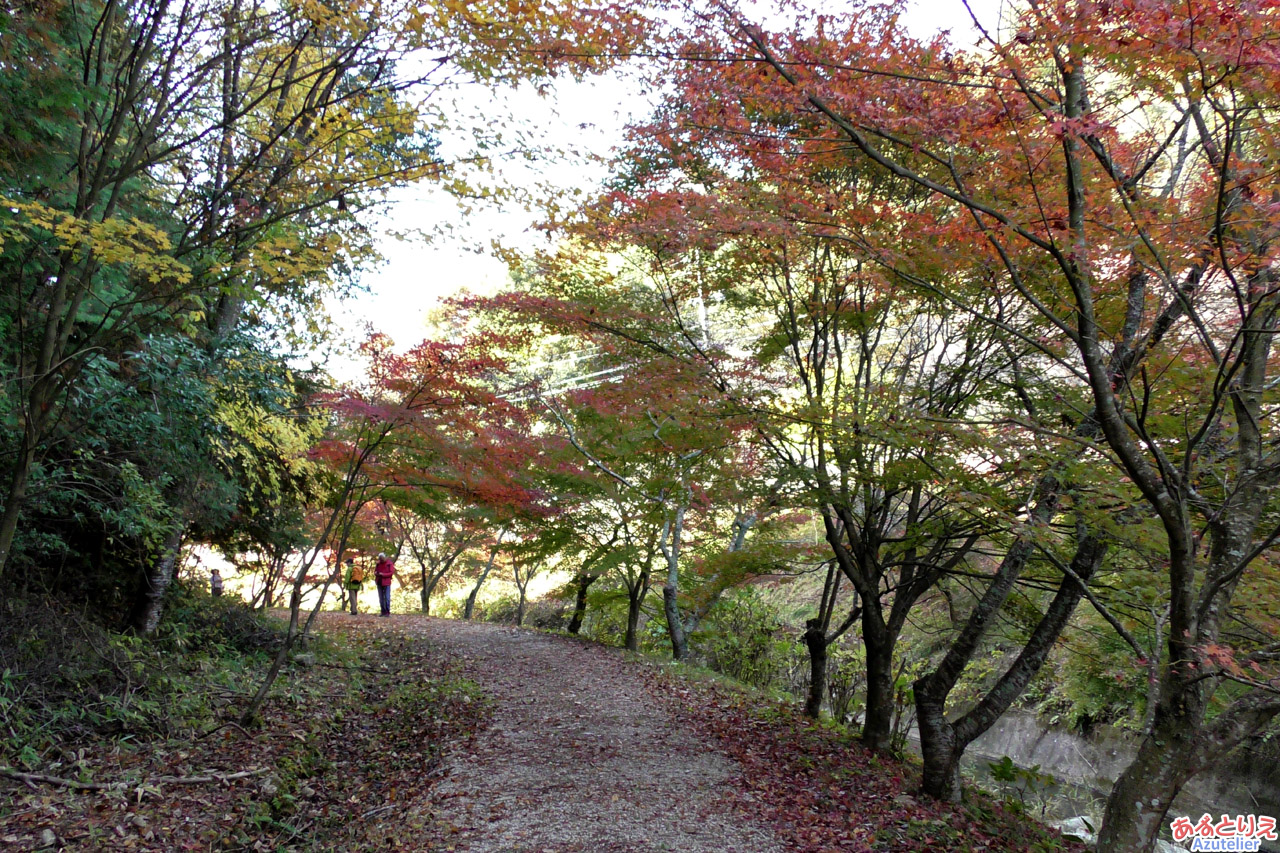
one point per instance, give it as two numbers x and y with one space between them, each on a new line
1105 167
436 540
428 422
858 399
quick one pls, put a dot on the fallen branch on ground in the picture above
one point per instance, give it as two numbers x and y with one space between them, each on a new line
118 786
223 726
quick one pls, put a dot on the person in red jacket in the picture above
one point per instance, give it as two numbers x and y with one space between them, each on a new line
383 572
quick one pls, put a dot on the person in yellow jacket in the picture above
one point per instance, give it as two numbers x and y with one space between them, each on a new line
353 582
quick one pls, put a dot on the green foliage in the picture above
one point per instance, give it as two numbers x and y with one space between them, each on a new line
1025 787
606 618
846 679
747 640
544 613
1098 683
66 678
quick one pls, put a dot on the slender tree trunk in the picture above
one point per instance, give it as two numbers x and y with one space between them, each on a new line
815 639
634 599
584 582
475 590
295 605
150 604
675 627
670 543
15 499
334 575
520 606
943 743
428 589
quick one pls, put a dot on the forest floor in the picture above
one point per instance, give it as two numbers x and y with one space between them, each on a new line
453 736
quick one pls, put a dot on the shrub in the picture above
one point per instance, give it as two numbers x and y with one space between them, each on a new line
195 621
501 610
66 677
538 613
747 641
547 614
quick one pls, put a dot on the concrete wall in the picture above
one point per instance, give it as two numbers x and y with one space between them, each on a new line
1247 782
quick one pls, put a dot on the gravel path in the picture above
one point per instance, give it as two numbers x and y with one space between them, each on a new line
579 757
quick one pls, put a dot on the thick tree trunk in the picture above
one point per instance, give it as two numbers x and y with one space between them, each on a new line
1140 798
877 727
150 605
815 639
584 582
939 752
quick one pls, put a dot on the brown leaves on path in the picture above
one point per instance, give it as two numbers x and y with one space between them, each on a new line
822 791
455 736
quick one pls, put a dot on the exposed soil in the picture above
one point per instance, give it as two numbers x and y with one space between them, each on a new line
476 738
580 755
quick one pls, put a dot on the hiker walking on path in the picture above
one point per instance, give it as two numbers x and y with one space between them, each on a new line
215 582
354 581
382 574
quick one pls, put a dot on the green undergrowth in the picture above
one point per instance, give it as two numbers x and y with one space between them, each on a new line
66 679
359 724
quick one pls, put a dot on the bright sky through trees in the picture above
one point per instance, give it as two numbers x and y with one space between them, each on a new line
586 118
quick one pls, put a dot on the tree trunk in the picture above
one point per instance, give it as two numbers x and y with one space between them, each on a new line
520 606
877 726
14 500
150 606
250 713
428 588
942 743
1140 798
475 591
938 748
334 575
634 599
815 639
584 582
674 529
675 627
469 608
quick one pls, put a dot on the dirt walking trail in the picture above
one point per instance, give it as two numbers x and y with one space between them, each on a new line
579 757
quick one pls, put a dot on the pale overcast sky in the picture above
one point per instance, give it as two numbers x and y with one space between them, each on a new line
587 115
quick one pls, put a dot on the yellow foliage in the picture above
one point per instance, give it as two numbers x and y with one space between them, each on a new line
125 242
